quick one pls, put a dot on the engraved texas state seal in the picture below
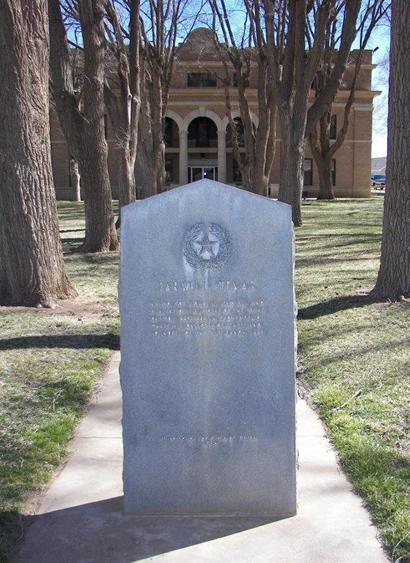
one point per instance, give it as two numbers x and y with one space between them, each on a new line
207 246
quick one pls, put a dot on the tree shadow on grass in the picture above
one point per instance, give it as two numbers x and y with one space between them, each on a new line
101 258
73 230
346 354
348 238
80 341
332 259
73 240
335 305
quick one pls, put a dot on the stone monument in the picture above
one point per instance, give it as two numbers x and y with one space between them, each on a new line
208 353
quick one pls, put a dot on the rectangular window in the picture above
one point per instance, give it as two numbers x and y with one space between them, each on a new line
333 171
308 172
201 80
333 127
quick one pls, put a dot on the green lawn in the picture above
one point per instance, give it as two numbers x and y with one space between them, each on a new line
49 363
355 358
353 364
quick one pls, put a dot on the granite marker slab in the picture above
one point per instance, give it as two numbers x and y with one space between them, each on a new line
208 353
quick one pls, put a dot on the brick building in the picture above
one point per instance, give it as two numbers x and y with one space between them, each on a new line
197 132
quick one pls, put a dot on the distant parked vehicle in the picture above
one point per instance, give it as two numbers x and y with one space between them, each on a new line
378 181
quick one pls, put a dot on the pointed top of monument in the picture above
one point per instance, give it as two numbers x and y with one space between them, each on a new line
212 189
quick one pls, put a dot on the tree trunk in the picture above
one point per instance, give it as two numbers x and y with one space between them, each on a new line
158 157
127 187
142 170
393 280
31 260
260 184
322 152
75 180
100 235
291 182
325 178
155 98
156 167
161 168
144 160
291 175
83 126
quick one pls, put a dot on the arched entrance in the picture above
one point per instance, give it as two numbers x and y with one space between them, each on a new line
202 149
199 172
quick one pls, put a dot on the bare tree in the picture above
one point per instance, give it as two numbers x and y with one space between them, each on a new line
122 96
81 115
31 260
75 180
296 37
159 42
238 58
393 281
163 23
323 150
290 36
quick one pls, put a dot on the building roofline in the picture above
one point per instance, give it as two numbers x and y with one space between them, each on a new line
198 63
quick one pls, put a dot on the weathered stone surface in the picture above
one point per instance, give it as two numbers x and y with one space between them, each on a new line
207 353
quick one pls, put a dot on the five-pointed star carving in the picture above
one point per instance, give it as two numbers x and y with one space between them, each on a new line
206 246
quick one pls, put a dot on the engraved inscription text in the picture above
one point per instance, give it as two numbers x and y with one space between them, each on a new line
209 441
241 317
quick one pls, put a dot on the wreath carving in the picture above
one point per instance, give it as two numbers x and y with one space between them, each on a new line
207 246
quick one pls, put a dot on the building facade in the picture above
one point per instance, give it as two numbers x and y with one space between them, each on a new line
197 135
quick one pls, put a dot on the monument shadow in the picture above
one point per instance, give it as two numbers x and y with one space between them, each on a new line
100 531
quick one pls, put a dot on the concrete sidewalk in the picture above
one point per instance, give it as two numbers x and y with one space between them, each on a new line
80 517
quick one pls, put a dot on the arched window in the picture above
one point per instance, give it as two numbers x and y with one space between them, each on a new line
202 133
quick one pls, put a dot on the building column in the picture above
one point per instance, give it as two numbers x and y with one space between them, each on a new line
183 157
221 156
362 151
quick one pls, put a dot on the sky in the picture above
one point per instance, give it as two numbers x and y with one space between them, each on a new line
380 39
